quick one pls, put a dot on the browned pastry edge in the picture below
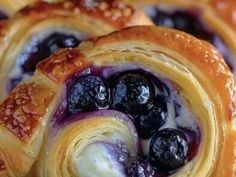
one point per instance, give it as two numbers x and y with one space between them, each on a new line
62 64
114 12
198 52
24 108
225 9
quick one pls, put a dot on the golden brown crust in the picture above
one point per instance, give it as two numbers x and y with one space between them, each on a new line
114 12
225 9
62 64
24 108
218 16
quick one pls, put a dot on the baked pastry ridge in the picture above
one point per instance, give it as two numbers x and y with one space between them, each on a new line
211 20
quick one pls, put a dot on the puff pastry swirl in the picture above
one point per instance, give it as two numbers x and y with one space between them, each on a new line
188 82
38 30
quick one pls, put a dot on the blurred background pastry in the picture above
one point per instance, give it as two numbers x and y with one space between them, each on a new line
210 20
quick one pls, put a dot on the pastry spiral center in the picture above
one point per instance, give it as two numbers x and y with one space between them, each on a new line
167 128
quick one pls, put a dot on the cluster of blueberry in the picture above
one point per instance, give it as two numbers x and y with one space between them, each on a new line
140 97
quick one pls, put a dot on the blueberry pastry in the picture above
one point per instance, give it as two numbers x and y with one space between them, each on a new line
211 20
129 104
37 31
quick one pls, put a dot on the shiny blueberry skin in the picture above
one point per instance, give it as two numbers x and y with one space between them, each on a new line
139 167
132 93
88 93
48 46
153 118
168 149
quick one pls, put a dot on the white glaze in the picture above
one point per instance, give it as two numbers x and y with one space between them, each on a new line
97 161
184 119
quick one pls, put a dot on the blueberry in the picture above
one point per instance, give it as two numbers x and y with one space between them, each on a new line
152 119
88 93
132 93
162 18
46 47
187 21
57 41
39 50
3 16
190 23
168 149
139 167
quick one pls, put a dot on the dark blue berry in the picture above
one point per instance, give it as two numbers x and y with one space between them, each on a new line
45 48
139 167
132 93
168 149
187 21
3 16
190 23
39 50
152 119
88 93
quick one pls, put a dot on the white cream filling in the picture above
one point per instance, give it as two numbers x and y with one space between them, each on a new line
97 161
184 118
